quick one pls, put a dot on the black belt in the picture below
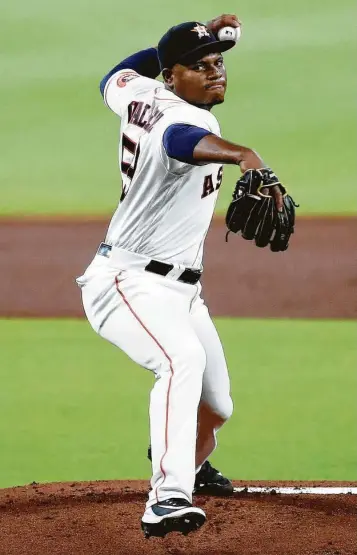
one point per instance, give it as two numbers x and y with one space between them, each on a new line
160 268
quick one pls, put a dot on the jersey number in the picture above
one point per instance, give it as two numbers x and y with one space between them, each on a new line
129 169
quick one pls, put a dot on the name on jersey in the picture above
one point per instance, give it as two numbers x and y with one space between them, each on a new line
143 115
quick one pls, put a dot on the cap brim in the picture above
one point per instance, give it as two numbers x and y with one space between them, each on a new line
204 50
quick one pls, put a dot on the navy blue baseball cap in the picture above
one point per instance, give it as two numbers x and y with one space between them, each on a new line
187 43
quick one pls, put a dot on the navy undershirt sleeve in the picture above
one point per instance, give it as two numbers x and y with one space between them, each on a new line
145 63
180 139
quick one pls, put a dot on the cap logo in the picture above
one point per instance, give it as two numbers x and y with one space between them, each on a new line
201 30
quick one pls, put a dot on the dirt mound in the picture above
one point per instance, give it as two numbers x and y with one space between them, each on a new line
103 518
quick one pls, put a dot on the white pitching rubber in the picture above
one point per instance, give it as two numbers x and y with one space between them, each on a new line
299 490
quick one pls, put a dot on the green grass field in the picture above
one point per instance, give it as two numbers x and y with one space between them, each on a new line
291 94
73 407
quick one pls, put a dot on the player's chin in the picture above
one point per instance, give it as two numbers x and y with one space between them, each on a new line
216 96
217 101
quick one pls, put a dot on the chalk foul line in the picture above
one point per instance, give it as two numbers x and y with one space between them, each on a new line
298 490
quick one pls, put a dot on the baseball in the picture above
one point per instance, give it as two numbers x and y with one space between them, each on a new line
229 33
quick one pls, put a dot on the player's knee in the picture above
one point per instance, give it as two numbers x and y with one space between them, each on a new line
224 408
228 409
217 411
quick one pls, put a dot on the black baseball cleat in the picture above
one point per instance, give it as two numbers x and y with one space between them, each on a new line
210 481
172 515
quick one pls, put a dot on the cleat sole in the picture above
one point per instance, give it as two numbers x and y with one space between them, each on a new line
185 524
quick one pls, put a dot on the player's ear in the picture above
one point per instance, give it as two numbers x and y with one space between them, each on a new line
168 77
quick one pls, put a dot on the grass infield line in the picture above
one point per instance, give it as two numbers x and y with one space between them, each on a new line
298 490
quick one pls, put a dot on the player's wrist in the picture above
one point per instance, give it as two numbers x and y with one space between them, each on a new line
249 160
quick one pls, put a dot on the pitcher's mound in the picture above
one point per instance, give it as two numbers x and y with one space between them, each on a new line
103 518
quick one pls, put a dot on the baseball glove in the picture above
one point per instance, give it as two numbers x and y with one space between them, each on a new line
254 213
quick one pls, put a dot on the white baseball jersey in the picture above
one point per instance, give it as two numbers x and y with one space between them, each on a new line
160 322
166 206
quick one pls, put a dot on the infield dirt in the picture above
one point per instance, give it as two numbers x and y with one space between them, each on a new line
315 278
103 518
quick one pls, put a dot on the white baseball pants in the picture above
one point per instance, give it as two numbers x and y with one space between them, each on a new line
163 325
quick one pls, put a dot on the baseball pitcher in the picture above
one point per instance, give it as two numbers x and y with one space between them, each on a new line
142 290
